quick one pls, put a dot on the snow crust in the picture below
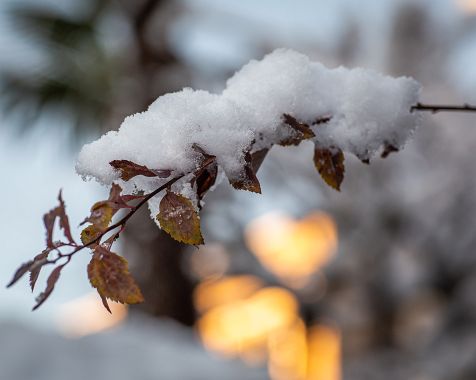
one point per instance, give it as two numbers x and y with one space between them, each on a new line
368 110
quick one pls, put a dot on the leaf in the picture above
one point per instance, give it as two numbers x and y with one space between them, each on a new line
179 218
50 285
205 179
90 233
300 131
206 158
35 269
32 265
388 149
130 169
49 220
248 180
109 274
19 273
63 218
330 164
102 213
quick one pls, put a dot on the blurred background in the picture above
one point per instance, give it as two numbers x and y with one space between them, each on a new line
299 283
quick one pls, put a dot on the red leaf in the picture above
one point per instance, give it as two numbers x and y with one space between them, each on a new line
50 285
49 221
32 265
130 169
35 269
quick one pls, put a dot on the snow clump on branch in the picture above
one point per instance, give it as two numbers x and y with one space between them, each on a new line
355 110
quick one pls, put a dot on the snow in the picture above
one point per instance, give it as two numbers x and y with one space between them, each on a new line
368 110
141 349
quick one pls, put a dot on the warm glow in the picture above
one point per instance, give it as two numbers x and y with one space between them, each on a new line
293 250
87 315
468 6
242 327
212 293
288 353
324 354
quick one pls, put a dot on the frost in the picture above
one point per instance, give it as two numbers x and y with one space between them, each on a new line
368 112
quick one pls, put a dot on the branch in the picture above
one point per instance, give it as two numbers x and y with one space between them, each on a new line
120 223
443 108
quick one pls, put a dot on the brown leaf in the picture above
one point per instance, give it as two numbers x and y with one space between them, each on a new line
205 179
50 285
109 274
248 180
206 174
179 218
257 158
330 164
19 273
206 158
300 131
130 169
49 220
31 265
63 218
35 269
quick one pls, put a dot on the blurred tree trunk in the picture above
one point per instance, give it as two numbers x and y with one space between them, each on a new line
157 258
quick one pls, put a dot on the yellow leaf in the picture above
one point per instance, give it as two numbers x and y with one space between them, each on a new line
179 218
109 274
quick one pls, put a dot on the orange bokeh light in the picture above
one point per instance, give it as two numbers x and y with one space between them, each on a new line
293 250
87 315
468 6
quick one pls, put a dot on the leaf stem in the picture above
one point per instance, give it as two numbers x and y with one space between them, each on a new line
119 223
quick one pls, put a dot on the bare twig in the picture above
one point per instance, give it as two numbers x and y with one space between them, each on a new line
120 223
443 108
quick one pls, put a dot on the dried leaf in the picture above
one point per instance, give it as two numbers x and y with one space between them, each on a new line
179 218
49 221
248 180
257 158
31 265
300 131
102 213
206 158
63 218
20 272
206 175
130 169
330 164
205 179
109 274
50 285
35 269
90 233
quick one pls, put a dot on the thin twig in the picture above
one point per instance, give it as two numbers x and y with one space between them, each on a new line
119 223
443 108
